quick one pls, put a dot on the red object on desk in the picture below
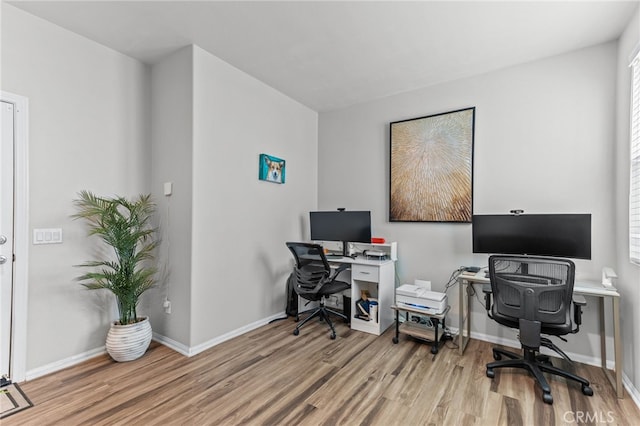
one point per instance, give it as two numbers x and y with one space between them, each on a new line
377 240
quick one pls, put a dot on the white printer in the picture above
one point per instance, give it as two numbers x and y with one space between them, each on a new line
421 298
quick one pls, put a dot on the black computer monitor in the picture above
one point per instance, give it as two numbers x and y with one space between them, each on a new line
344 226
558 235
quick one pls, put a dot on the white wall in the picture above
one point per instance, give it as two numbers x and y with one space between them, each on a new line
89 129
171 161
544 139
223 230
105 122
240 262
628 274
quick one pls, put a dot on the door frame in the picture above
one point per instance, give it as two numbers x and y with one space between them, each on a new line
18 366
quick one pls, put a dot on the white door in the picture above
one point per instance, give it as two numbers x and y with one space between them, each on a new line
6 233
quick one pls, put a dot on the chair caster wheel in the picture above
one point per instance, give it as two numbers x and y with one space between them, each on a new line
497 356
490 373
296 332
395 340
547 398
587 390
333 336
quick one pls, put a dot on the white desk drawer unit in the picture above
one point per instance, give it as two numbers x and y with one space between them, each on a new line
365 273
378 280
377 277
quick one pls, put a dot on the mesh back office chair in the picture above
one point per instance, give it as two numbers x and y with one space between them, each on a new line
534 295
314 280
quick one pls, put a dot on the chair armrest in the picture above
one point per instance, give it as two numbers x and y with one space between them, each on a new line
486 289
339 269
578 302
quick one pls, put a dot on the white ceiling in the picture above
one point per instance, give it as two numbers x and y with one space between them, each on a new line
329 55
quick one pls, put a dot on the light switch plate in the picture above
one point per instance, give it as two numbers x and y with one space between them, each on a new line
47 236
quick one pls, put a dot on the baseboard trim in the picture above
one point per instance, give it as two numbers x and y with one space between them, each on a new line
234 333
631 390
64 363
170 343
190 351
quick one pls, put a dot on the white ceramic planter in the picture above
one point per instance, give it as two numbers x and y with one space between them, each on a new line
128 342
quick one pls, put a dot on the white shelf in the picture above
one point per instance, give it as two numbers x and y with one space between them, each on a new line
391 248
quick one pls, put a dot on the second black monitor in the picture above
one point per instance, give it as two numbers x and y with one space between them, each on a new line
562 235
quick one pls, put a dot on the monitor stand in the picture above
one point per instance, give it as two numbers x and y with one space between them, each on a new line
345 250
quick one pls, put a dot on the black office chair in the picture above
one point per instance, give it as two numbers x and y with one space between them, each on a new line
314 280
534 295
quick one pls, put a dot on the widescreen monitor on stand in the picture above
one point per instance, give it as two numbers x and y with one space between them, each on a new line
557 235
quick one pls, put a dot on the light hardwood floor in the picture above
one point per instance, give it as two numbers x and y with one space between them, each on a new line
270 377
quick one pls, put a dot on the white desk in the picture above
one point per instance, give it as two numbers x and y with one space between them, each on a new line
378 277
465 280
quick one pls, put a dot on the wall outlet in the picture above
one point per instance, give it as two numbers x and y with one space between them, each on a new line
168 188
167 306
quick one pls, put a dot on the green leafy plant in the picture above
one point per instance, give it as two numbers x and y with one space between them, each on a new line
125 226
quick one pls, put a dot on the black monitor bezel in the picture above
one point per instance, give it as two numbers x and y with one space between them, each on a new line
553 235
335 225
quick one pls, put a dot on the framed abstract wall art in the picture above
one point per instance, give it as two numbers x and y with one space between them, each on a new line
271 169
431 172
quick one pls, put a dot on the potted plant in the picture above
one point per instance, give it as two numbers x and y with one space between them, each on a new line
125 226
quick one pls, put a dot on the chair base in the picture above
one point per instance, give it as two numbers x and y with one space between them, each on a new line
322 312
535 364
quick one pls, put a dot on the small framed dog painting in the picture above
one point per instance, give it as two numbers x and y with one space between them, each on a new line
271 169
